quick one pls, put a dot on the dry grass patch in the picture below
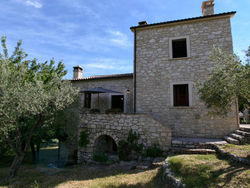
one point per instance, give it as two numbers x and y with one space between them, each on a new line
239 150
209 171
84 176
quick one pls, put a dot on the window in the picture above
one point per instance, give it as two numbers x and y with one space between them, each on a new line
181 95
117 101
179 48
87 100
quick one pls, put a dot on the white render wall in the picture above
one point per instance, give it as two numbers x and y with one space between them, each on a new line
156 72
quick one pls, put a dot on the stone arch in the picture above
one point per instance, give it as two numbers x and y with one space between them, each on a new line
105 143
113 136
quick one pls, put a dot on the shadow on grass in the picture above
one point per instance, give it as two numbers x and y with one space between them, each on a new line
31 175
206 174
230 172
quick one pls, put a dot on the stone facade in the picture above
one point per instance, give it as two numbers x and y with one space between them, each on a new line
121 85
152 88
117 127
157 71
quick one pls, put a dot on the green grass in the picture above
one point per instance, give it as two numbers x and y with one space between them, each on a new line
84 176
209 171
239 150
40 175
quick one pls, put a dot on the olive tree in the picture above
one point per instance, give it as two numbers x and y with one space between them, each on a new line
228 80
30 94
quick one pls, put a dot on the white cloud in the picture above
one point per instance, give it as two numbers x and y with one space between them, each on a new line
108 64
100 66
35 4
120 39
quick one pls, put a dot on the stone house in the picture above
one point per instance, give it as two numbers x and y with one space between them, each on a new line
169 58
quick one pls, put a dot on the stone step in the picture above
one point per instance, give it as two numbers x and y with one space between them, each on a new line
237 137
231 140
192 151
197 141
189 146
243 133
245 129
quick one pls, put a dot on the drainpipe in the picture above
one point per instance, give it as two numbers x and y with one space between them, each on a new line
134 76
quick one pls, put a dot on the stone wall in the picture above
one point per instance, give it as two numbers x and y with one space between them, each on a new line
115 84
117 127
156 71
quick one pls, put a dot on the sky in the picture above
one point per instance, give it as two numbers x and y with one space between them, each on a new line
95 34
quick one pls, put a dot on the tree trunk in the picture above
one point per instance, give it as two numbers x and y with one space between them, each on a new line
33 151
59 151
21 151
38 151
16 164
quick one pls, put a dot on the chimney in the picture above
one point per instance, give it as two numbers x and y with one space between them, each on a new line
77 72
142 23
207 8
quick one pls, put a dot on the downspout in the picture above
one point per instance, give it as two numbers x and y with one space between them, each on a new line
134 76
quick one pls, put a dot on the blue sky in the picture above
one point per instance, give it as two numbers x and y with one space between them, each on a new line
95 33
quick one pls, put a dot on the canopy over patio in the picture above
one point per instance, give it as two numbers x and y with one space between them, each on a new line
98 90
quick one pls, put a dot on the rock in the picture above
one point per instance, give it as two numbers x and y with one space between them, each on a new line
114 158
148 159
142 167
158 159
129 165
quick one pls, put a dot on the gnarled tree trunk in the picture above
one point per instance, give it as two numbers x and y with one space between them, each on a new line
16 164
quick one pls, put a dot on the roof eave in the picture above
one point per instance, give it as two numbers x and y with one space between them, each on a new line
99 77
182 21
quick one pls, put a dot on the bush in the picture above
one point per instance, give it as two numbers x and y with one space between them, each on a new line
100 157
129 147
94 111
84 139
124 150
113 111
153 151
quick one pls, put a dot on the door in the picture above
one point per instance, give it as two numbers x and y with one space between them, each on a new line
117 102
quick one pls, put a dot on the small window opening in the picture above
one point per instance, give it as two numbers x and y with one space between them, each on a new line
87 100
179 48
181 96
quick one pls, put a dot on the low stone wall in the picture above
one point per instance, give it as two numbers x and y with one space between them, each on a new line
117 127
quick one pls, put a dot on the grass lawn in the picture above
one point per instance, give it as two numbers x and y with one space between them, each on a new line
84 176
209 171
193 170
239 150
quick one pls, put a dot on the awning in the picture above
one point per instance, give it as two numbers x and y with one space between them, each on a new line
98 90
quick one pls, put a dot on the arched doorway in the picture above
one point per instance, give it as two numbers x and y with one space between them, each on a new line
105 144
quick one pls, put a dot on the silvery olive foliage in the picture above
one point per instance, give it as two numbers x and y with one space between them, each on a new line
30 94
229 79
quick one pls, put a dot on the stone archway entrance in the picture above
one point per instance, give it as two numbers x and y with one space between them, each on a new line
105 144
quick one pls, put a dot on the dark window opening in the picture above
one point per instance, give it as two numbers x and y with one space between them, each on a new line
179 48
117 102
87 100
181 97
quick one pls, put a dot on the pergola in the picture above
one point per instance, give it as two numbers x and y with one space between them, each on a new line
98 90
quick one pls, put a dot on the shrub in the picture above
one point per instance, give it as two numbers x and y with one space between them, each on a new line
124 150
130 146
153 151
113 111
94 111
84 139
100 157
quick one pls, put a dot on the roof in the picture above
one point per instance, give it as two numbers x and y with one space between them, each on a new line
127 75
185 20
98 90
